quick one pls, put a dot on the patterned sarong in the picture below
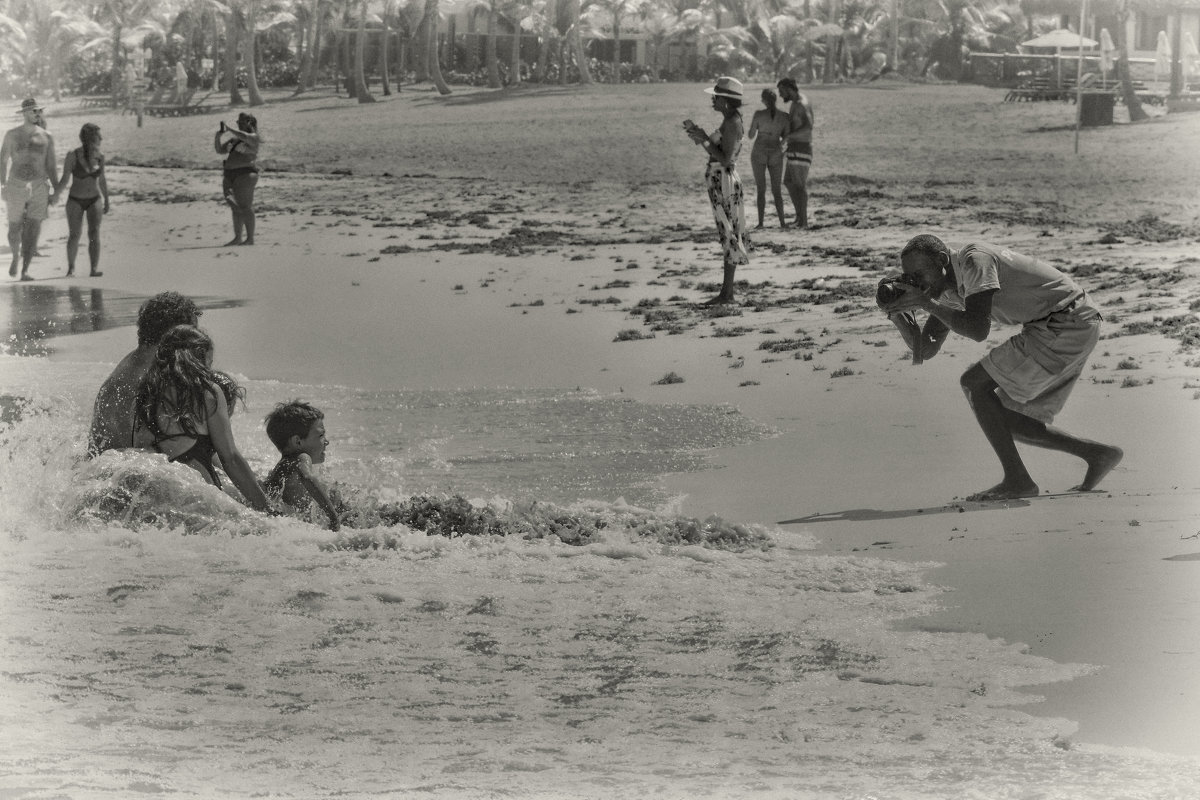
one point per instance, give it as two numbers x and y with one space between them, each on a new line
725 194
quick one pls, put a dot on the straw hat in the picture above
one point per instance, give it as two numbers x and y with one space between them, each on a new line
29 104
727 87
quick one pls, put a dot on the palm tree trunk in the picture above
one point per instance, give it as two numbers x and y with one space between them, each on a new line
1132 104
233 30
585 74
116 60
312 51
383 49
360 50
435 67
514 72
421 45
251 46
616 61
489 49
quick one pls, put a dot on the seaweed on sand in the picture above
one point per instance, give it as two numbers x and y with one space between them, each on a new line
455 516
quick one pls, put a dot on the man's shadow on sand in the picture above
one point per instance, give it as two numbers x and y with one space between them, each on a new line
957 507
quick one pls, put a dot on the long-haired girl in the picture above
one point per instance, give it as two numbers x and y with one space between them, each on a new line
186 405
84 168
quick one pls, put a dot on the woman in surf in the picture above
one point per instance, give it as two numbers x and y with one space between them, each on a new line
186 405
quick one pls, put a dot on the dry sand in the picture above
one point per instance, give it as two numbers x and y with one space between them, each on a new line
516 235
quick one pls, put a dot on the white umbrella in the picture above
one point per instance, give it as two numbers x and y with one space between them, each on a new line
1059 39
1191 55
1162 55
1107 48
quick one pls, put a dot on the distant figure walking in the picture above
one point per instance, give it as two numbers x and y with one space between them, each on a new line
240 174
768 127
1019 386
799 147
724 185
27 165
84 169
186 405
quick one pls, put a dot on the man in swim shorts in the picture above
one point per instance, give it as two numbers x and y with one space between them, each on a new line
1019 386
113 413
27 166
799 154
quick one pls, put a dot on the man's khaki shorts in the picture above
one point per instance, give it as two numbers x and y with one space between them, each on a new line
26 200
1037 368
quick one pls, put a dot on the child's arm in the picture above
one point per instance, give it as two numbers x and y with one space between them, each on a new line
317 491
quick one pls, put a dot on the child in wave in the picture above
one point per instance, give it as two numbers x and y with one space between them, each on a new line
297 429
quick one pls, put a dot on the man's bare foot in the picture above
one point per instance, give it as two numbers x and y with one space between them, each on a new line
1098 467
95 273
25 276
232 243
1004 491
719 300
71 272
758 227
248 242
12 270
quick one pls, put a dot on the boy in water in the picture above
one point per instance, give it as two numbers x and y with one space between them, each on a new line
298 430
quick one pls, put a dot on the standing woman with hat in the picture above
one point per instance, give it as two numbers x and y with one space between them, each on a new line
27 165
724 185
241 173
84 168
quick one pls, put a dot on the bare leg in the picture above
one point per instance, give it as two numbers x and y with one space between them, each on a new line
14 244
759 168
789 181
74 231
243 194
997 427
29 237
800 197
777 190
1100 458
726 295
94 215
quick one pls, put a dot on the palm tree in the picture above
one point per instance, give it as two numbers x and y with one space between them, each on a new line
360 81
431 50
618 10
383 47
1132 103
118 16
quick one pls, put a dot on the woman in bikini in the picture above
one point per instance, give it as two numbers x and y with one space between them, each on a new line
84 168
186 404
240 173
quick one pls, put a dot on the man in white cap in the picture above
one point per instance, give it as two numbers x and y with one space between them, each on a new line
27 166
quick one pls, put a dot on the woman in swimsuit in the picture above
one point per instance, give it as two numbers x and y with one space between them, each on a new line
84 167
241 173
186 405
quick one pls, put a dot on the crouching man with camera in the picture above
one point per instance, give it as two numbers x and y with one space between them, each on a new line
1018 387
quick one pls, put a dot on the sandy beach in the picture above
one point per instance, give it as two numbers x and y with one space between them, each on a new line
550 247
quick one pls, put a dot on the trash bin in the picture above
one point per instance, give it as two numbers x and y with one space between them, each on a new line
1095 108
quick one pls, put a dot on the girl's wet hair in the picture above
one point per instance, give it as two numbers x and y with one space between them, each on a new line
180 381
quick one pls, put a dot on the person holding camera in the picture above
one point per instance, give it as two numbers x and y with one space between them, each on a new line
240 174
1017 389
724 185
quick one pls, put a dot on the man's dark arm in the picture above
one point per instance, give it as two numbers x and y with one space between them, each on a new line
974 322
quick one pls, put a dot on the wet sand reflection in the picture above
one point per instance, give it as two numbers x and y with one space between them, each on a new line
36 313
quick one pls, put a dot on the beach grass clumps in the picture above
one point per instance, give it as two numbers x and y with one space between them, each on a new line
631 335
668 379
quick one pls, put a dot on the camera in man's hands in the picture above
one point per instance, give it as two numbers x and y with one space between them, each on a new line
891 289
222 126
